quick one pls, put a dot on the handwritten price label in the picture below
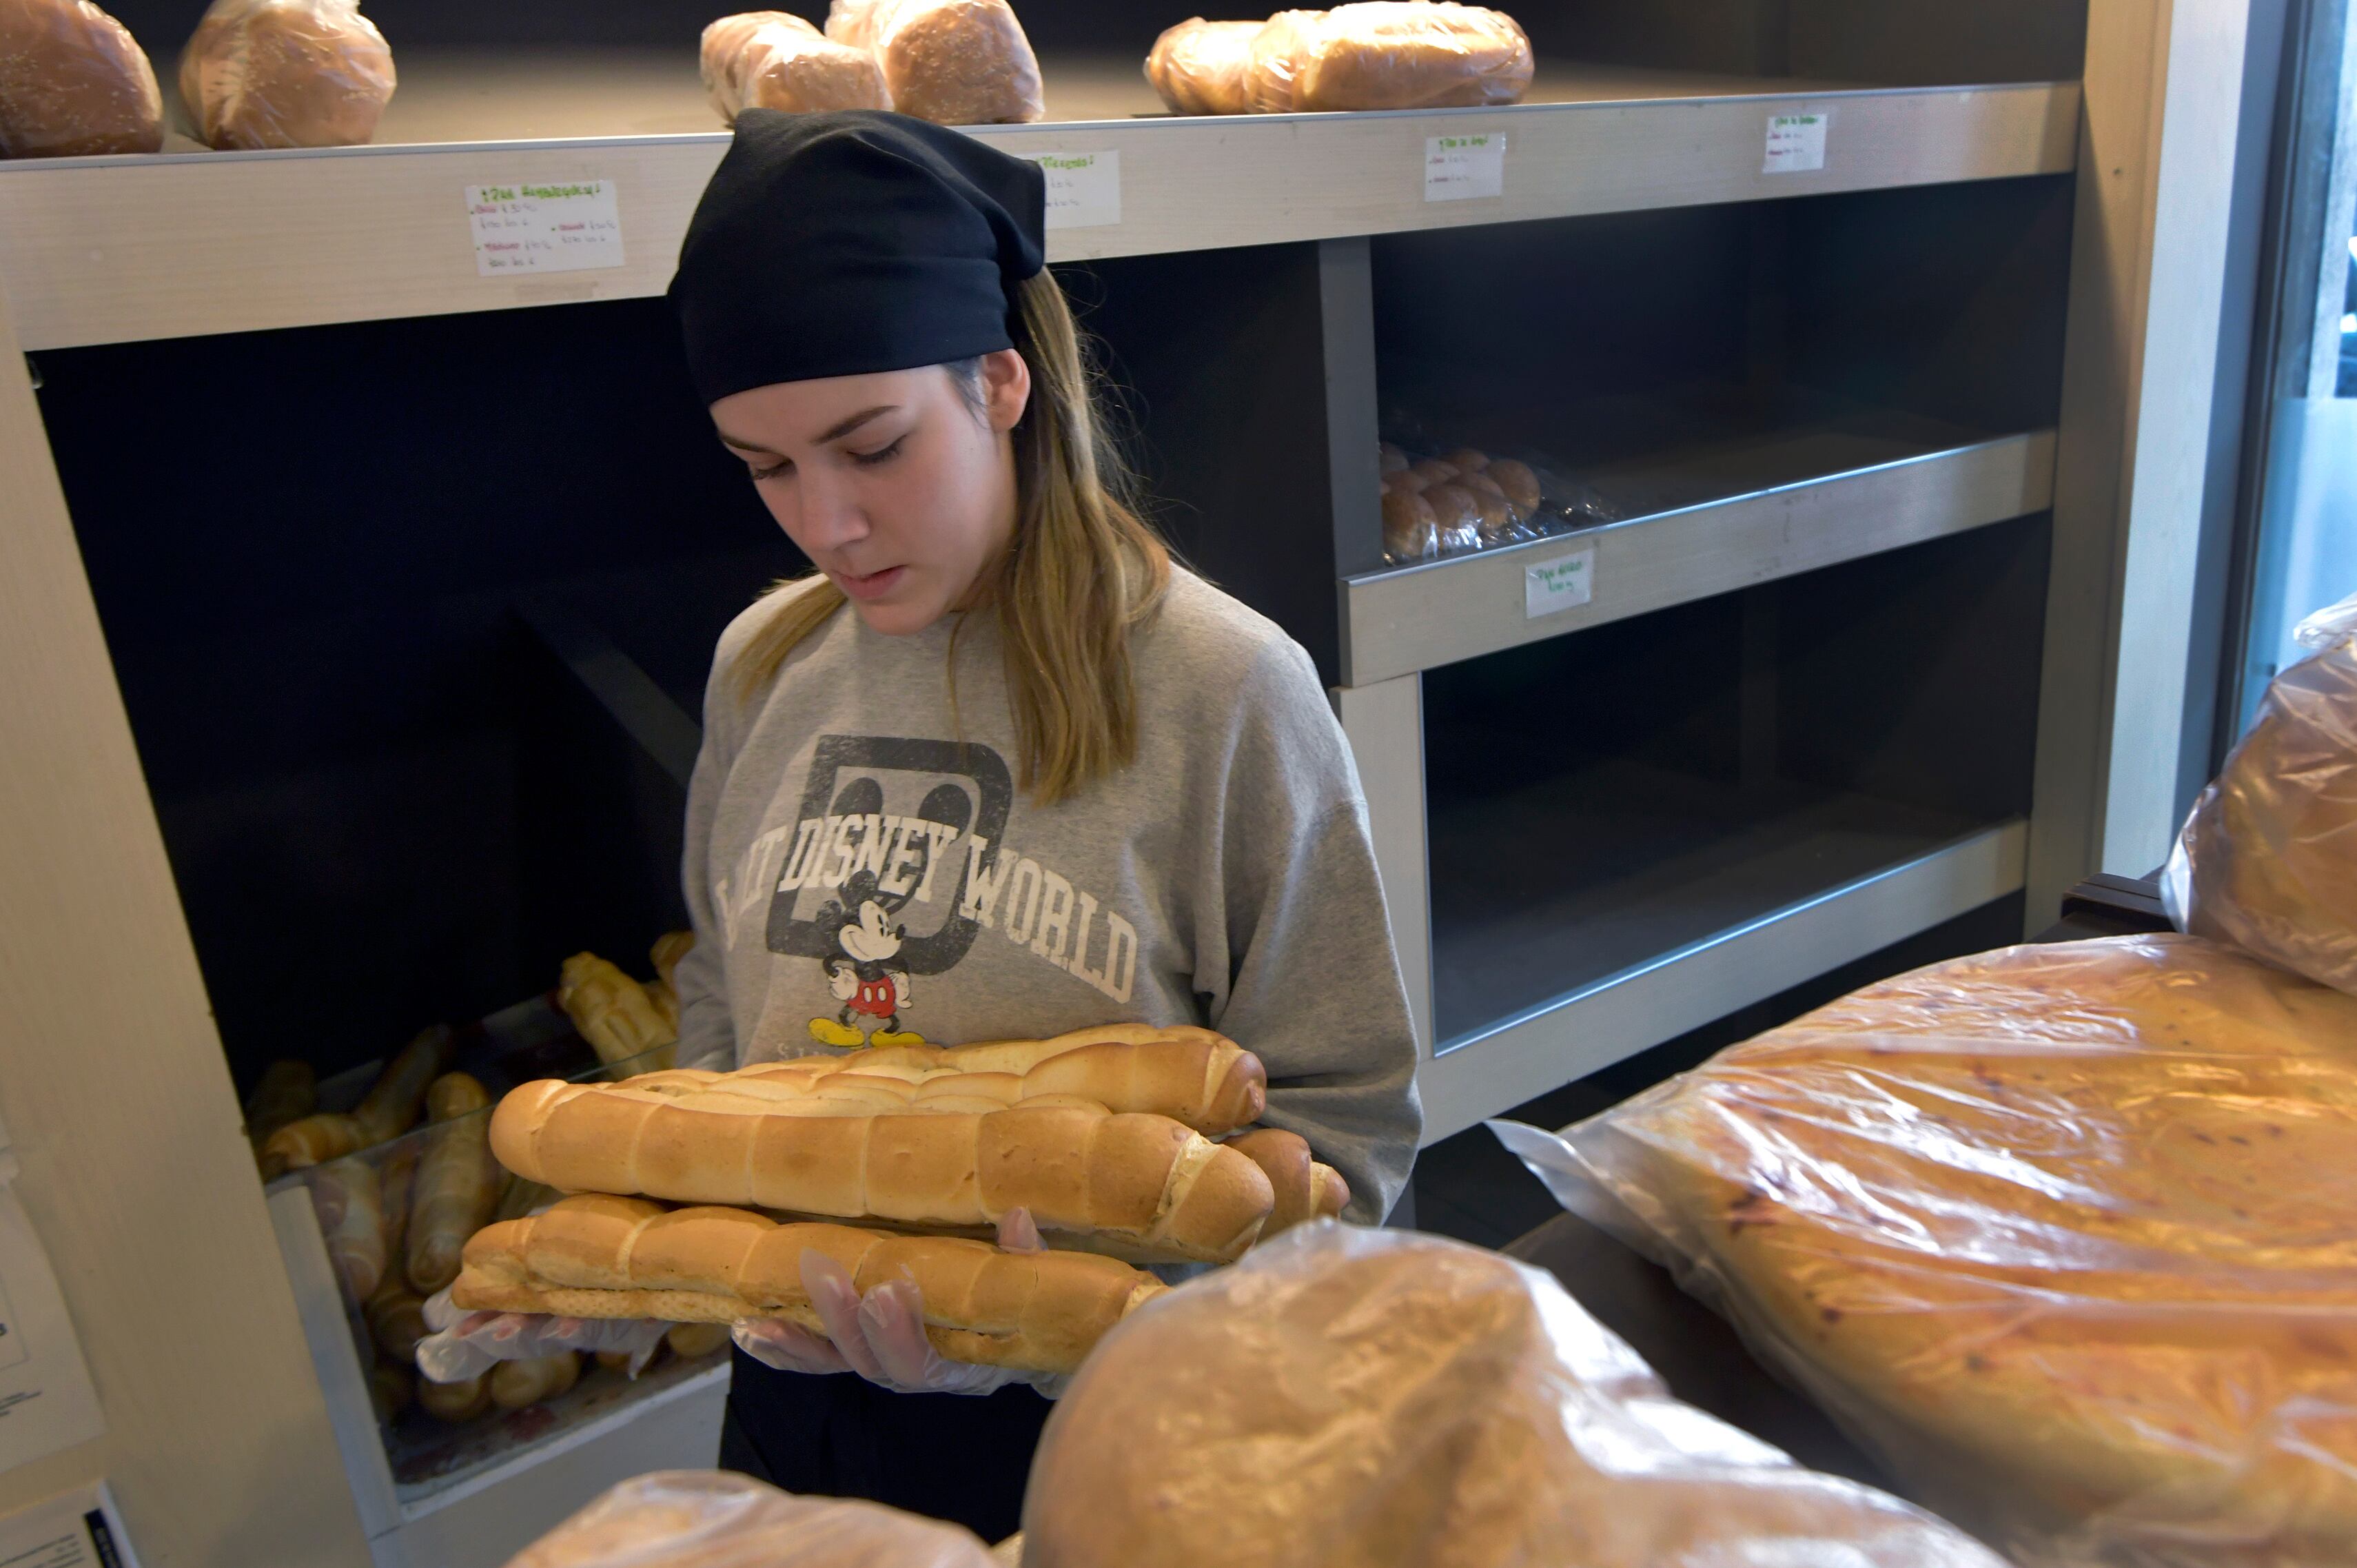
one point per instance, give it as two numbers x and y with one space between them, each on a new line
1796 142
1558 585
565 228
1461 168
1083 188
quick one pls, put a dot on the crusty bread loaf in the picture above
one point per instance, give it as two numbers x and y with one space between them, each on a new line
2068 1233
73 83
1305 1189
1411 54
599 1256
1164 1191
1353 1398
1204 67
958 62
615 1014
285 73
775 60
456 1185
1189 1075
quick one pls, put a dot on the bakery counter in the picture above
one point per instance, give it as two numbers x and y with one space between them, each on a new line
187 243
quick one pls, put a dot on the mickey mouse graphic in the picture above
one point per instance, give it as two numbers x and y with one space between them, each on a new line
862 973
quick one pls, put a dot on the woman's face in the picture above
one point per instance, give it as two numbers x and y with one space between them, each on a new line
894 485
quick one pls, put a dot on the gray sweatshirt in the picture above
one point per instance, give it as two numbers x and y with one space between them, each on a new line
862 867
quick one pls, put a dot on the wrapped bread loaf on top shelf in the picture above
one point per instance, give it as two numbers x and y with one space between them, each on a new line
955 62
285 73
774 59
73 83
1380 54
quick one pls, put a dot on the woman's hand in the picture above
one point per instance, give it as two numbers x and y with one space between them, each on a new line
881 1336
467 1344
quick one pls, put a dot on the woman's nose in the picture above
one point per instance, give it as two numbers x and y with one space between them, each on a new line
831 515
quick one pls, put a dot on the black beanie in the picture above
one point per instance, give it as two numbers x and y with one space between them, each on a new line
851 241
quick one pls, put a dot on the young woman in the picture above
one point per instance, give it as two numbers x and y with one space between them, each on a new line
998 768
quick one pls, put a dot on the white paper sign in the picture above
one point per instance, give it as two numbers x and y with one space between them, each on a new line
564 227
74 1529
1459 168
1560 584
1083 188
46 1400
1796 141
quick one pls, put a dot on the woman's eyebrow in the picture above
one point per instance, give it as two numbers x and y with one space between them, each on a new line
842 428
738 443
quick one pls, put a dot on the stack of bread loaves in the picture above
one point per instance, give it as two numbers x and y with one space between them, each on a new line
955 62
1105 1136
1379 54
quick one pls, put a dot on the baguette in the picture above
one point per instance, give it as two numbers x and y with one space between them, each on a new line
456 1185
395 1098
1305 1189
1189 1075
309 1141
349 1198
613 1012
1166 1193
599 1256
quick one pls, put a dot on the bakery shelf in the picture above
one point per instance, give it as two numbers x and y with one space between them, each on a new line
1782 898
180 243
1710 519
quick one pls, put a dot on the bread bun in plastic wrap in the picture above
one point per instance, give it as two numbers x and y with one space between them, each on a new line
1411 528
2268 857
955 62
1353 1398
73 83
2065 1236
285 73
774 59
1204 67
713 1518
1271 74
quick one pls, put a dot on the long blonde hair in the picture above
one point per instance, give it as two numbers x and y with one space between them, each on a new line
1082 570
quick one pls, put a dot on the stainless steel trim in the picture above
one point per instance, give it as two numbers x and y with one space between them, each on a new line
1423 616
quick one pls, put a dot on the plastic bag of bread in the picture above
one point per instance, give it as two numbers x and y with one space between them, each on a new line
73 83
713 1518
1410 54
2268 858
955 62
285 73
1204 67
1349 1398
2066 1236
774 59
1272 68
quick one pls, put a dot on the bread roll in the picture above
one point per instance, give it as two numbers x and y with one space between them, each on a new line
456 1185
1189 1075
692 1341
774 59
286 1092
1457 515
1150 1185
1411 528
1411 54
1520 485
397 1320
1305 1189
455 1403
1203 67
1390 459
2066 1235
958 62
310 1141
1496 512
712 1518
597 1256
1277 49
73 83
669 949
348 1197
1378 1399
398 1094
1467 460
285 73
614 1013
515 1384
1432 471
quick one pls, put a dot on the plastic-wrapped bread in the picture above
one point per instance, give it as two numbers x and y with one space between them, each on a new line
1520 485
456 1185
1192 1076
713 1518
1411 54
597 1256
1272 73
1348 1398
774 59
1204 67
853 22
1411 528
614 1013
2268 857
73 83
2065 1236
285 73
1140 1187
958 62
1457 516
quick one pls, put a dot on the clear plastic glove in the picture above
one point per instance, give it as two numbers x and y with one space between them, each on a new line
468 1344
882 1335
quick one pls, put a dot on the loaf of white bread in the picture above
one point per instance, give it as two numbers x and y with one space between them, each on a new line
775 60
73 83
1380 54
599 1256
285 73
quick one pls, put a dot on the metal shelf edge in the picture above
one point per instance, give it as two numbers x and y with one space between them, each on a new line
1640 1007
1401 621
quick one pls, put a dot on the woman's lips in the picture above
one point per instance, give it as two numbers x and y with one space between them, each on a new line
874 585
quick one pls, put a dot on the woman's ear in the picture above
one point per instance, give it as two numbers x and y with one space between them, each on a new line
1005 388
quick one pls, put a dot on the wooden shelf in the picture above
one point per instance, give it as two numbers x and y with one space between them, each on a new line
1876 490
188 243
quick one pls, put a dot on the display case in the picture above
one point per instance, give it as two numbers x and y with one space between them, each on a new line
407 574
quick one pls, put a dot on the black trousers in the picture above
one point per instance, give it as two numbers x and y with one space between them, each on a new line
954 1456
